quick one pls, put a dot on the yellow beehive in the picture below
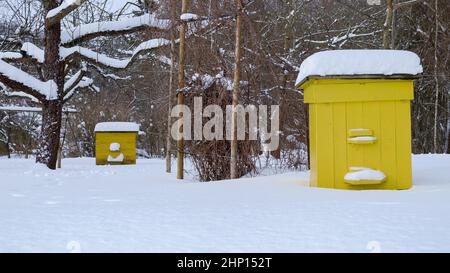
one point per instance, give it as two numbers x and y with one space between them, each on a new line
115 143
360 125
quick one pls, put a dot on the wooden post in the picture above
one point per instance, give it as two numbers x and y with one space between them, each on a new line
236 90
181 85
171 85
388 23
436 79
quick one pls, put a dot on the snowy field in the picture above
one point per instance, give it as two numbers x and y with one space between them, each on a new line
141 209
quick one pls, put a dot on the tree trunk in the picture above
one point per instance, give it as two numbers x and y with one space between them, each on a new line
8 143
53 69
50 132
171 86
388 23
394 26
447 142
181 85
436 79
236 90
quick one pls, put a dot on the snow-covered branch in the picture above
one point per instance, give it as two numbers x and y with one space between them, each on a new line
82 83
10 55
71 37
74 80
19 80
31 50
56 15
104 60
407 3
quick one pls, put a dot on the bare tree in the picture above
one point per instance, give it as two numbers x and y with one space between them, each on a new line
60 58
436 78
236 90
181 85
171 87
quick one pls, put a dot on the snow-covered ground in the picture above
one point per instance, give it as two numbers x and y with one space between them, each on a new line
141 209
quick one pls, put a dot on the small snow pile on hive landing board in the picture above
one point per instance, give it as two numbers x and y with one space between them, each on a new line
365 174
117 127
360 62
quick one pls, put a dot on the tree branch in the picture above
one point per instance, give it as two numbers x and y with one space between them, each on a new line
407 4
56 15
110 28
19 80
74 81
91 56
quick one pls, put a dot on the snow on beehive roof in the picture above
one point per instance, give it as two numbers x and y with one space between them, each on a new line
360 62
117 127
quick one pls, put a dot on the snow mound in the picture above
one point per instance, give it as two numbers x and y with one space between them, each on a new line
188 17
365 175
117 159
114 147
360 62
117 127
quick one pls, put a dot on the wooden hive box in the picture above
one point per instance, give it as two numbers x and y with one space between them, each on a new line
115 143
360 124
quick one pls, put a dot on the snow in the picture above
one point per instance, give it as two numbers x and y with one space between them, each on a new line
19 94
111 62
117 127
48 89
33 51
360 62
15 108
65 5
10 55
150 20
117 159
142 209
362 175
114 147
189 17
363 138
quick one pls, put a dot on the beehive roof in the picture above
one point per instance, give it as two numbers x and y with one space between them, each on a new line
353 62
117 127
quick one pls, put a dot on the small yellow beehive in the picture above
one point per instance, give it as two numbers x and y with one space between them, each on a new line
115 143
359 117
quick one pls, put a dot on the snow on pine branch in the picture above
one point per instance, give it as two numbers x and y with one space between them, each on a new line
24 80
108 61
92 30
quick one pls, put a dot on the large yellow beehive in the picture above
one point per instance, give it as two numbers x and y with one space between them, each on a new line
116 143
360 129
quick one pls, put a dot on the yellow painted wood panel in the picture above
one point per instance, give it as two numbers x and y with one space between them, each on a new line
354 121
388 151
403 136
127 143
371 120
325 145
327 90
313 145
340 144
